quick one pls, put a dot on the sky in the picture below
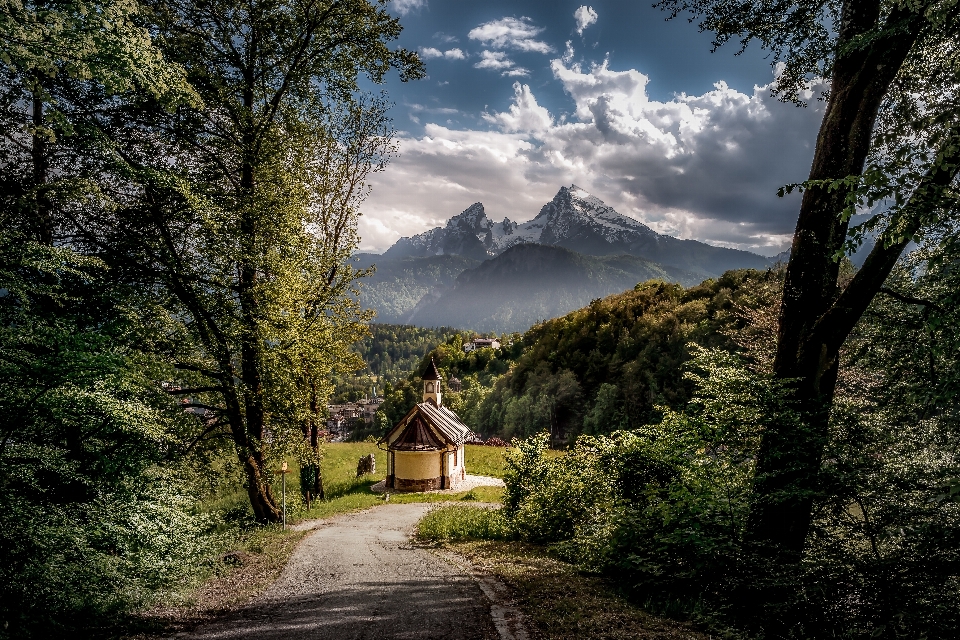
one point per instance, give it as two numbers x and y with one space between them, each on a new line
524 97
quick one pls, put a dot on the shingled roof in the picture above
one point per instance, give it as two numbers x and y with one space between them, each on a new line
428 427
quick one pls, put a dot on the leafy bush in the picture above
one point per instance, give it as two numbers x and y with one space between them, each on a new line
662 507
462 522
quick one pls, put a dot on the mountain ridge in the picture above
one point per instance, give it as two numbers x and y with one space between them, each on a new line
576 220
528 283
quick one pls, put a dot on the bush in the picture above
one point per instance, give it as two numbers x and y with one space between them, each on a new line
462 522
663 508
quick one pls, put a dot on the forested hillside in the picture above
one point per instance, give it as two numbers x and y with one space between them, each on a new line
611 364
390 352
607 366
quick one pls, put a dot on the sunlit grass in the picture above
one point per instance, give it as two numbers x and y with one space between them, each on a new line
343 491
463 522
485 461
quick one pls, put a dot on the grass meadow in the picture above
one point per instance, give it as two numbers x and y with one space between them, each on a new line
345 492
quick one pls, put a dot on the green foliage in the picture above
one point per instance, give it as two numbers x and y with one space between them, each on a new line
389 352
93 519
161 241
885 527
462 522
663 505
612 364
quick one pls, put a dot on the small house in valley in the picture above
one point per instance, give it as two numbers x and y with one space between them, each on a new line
481 343
425 449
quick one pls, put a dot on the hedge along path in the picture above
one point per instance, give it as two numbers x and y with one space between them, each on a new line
359 576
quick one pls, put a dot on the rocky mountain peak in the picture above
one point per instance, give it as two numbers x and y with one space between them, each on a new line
576 220
473 218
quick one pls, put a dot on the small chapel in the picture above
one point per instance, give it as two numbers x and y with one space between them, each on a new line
425 449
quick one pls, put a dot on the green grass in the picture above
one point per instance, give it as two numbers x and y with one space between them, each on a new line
463 522
485 461
345 492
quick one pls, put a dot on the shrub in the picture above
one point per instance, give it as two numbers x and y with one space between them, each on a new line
462 522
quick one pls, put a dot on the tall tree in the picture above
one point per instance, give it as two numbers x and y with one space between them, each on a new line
246 213
45 46
888 132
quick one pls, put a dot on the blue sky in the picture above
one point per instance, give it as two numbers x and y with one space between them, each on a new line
523 97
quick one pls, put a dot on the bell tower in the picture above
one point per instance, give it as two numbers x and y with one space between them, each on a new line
431 384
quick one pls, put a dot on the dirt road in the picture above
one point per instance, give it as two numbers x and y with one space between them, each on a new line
359 577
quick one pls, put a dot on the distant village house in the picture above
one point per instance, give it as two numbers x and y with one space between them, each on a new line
342 417
481 343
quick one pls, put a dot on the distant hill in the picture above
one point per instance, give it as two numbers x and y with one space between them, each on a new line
390 353
579 221
399 284
532 282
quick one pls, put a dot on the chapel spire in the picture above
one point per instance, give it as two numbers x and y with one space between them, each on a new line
431 384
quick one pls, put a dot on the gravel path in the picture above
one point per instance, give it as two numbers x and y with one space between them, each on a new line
359 577
469 482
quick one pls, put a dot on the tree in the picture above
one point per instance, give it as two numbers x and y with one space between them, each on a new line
889 135
47 46
244 215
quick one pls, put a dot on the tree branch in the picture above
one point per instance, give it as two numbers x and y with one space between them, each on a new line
910 299
834 326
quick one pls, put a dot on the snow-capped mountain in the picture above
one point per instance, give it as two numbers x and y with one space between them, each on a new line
576 220
572 217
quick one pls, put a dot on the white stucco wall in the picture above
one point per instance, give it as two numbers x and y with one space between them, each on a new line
417 465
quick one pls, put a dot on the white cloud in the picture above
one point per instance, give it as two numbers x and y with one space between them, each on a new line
403 7
696 166
585 16
438 110
498 61
494 60
510 33
450 54
524 114
568 53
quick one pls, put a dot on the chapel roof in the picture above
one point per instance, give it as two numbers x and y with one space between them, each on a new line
428 427
417 436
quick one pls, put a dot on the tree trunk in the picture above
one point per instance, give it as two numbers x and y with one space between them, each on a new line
311 478
254 414
43 224
789 458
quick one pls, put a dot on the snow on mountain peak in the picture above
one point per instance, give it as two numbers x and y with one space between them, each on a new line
572 217
473 218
